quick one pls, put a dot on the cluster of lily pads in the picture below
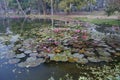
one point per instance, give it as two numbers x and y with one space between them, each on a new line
56 33
65 45
59 44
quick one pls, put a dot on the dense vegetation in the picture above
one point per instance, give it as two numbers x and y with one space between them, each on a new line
113 6
67 6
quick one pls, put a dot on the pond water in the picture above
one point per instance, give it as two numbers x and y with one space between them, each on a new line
45 70
41 72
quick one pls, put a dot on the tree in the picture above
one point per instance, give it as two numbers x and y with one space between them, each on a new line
24 3
44 6
90 3
43 3
28 4
66 5
112 6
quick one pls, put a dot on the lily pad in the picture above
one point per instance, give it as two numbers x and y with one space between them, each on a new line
72 59
117 54
77 55
93 59
117 49
59 57
82 61
21 49
51 55
13 61
89 53
22 55
111 51
106 59
33 63
31 59
42 55
28 52
104 53
33 54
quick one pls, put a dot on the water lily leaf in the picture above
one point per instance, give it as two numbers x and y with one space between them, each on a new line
82 61
31 63
13 61
82 50
22 55
117 54
73 59
59 57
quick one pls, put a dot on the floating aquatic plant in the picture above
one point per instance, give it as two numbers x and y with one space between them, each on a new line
59 57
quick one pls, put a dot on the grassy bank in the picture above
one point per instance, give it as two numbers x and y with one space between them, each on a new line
100 21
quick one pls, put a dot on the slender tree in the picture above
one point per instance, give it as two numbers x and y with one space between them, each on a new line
20 7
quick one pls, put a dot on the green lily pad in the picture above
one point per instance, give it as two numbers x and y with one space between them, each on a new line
59 57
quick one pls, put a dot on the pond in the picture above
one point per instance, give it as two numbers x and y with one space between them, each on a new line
44 71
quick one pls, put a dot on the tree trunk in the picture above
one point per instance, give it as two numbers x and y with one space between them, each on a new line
56 9
43 3
19 6
39 3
